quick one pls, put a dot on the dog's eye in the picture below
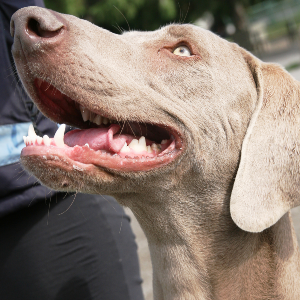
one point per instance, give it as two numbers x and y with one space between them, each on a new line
182 51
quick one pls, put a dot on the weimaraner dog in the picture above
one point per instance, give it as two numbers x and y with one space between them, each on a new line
199 138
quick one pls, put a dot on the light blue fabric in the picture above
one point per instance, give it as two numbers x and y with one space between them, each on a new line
11 142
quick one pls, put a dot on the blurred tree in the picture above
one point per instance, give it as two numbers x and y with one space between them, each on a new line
151 14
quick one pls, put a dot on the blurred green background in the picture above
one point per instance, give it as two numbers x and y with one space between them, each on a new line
151 14
254 24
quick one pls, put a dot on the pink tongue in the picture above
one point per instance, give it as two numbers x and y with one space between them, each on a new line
98 138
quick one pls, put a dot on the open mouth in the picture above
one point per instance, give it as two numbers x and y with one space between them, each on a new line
99 139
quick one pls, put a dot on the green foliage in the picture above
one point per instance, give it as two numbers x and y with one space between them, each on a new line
145 14
167 9
112 11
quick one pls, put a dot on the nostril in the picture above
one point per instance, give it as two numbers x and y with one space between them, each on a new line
34 28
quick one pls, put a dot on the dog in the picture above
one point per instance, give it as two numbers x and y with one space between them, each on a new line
199 138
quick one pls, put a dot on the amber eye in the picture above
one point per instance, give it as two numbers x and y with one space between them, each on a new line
182 51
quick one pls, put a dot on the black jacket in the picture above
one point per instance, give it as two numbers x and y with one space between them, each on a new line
17 188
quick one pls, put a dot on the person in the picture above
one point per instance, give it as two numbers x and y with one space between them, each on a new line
53 246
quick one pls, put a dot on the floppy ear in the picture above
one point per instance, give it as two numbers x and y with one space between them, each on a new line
267 183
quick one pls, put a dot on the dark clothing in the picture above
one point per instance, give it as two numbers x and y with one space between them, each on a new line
11 106
16 108
86 253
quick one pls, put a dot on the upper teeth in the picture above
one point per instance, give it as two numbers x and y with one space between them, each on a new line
33 139
87 115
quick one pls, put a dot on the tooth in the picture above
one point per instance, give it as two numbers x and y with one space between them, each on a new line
164 142
125 148
31 131
133 143
46 140
85 113
142 142
59 136
98 120
105 121
31 140
24 139
138 146
155 147
149 150
39 140
92 116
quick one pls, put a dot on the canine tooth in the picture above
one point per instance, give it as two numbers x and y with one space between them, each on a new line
46 140
105 121
59 136
39 140
31 131
85 113
98 120
125 148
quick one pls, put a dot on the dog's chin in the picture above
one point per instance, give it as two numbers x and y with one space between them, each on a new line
62 175
98 143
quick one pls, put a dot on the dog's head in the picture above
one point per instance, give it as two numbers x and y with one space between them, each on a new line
177 102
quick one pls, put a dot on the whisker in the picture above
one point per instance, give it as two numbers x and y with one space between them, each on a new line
70 205
123 17
187 12
180 13
49 211
108 202
131 129
121 128
118 28
31 201
121 221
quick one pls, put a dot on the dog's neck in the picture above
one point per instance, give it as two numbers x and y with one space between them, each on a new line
202 254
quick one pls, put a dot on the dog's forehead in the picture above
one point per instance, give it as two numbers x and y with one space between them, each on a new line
170 32
208 45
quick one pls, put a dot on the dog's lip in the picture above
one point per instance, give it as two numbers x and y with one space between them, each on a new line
81 157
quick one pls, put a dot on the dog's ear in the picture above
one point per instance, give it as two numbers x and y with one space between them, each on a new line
267 183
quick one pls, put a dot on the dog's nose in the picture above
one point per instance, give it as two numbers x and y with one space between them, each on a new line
34 24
